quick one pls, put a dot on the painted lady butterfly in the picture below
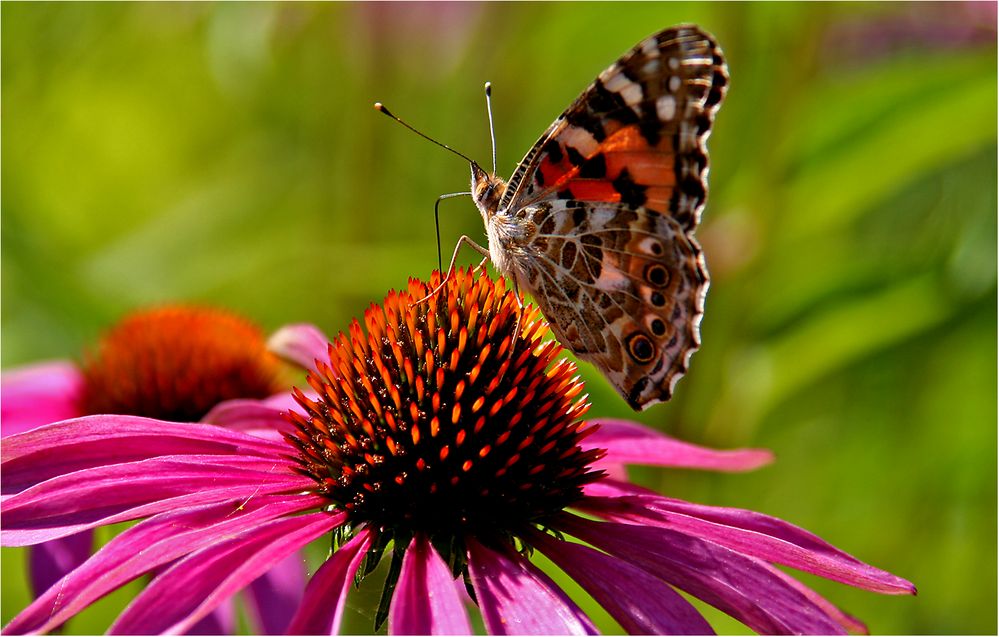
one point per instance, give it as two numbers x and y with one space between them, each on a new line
597 221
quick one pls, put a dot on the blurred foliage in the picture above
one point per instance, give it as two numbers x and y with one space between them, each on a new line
228 154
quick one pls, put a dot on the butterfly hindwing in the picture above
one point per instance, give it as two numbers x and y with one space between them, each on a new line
622 287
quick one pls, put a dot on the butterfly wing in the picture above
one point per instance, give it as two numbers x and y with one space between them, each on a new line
622 287
614 191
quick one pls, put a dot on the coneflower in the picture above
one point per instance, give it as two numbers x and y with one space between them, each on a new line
171 362
449 434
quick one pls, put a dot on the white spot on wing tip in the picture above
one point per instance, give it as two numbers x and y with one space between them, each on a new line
632 94
616 81
666 107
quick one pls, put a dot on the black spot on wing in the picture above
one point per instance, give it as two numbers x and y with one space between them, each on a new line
575 157
631 193
553 151
596 106
651 129
658 366
703 122
588 122
594 168
608 103
694 188
635 394
658 327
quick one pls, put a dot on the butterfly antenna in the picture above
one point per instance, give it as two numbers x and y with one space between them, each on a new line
381 108
489 109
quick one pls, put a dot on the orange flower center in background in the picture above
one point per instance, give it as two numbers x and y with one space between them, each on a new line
176 363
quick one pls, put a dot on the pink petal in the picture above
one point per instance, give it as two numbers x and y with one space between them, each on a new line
301 344
641 603
117 493
256 417
274 596
740 586
848 622
34 456
221 621
426 601
151 543
326 595
761 536
50 561
39 394
194 586
515 598
631 443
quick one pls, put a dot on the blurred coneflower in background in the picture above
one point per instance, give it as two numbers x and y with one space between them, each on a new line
178 363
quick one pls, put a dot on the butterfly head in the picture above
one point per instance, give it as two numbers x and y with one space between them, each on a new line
487 191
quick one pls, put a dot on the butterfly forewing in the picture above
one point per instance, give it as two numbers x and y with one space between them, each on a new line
605 205
637 134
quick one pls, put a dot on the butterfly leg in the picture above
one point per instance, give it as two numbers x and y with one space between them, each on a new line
437 221
462 240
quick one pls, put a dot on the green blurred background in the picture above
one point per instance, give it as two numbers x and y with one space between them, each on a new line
228 154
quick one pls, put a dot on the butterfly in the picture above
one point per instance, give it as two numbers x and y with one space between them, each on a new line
597 221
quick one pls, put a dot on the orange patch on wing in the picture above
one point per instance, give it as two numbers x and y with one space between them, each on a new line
631 138
649 168
594 190
553 173
657 198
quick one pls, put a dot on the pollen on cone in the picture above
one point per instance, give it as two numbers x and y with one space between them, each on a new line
447 413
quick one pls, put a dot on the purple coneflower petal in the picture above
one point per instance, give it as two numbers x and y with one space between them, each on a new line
300 343
191 588
425 601
34 456
274 596
118 493
39 394
326 594
848 622
257 417
151 543
630 443
515 598
221 621
741 586
51 560
761 536
642 603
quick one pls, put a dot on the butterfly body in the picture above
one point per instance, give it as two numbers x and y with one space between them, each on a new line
597 221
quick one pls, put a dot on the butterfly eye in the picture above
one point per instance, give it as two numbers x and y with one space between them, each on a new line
657 275
641 348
